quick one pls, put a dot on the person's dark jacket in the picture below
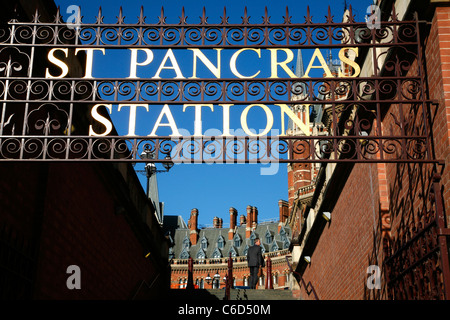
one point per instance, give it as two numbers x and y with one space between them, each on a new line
254 256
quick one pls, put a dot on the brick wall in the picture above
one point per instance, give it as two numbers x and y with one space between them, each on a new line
437 55
387 201
339 262
70 215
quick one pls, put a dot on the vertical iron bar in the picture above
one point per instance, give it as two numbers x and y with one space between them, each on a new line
8 74
442 234
27 104
424 91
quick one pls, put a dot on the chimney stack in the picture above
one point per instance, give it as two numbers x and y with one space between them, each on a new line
233 216
242 220
216 222
254 217
249 222
192 224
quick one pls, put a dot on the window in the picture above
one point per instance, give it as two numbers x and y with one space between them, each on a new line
201 254
252 238
184 254
245 250
186 242
204 243
237 240
268 236
220 242
216 284
283 234
274 246
233 252
216 254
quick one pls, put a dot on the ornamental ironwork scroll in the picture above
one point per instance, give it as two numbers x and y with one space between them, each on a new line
54 108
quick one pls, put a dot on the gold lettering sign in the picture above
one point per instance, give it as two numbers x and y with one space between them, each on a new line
165 113
142 57
170 62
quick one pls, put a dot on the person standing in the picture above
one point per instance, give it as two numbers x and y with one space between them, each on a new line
255 260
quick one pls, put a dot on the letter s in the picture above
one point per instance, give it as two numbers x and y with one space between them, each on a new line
59 63
101 119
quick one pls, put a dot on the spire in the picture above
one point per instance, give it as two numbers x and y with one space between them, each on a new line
299 69
299 88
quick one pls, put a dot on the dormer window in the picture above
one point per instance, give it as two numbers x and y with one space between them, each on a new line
274 246
220 242
237 240
246 250
184 254
252 238
268 236
217 254
204 243
186 242
233 252
283 236
201 254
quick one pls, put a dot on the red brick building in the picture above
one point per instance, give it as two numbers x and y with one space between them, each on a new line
389 217
211 247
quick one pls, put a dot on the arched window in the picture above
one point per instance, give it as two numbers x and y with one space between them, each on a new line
216 283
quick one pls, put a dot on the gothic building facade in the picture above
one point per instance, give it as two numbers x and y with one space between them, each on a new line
210 248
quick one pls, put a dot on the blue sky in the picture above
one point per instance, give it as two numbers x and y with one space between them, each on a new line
212 188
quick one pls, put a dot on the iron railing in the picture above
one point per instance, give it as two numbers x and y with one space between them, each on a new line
42 117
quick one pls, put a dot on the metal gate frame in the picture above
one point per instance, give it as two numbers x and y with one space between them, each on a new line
38 113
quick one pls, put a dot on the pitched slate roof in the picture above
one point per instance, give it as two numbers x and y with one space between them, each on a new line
212 236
